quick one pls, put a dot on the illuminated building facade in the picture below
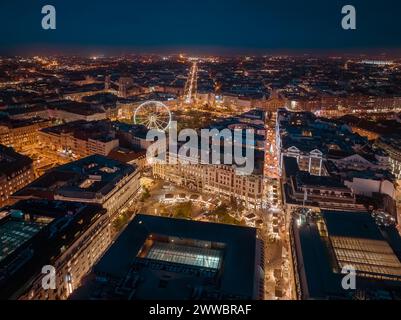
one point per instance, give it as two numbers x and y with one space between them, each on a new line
80 138
21 134
65 235
392 145
221 179
16 172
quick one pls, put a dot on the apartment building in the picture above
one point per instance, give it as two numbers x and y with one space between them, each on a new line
16 172
65 237
80 138
21 134
94 179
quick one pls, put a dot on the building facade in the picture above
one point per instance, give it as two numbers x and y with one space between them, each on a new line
69 237
221 179
21 134
16 171
80 138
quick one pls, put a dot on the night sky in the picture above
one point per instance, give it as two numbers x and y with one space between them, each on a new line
200 25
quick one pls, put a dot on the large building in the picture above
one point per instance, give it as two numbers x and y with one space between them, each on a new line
68 110
62 110
337 106
80 138
328 243
94 179
312 141
221 179
16 172
21 134
224 179
303 189
392 145
324 164
131 135
68 236
165 258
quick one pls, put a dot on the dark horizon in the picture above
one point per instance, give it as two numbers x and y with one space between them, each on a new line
393 53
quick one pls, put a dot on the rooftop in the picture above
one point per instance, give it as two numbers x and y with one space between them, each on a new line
305 179
80 108
357 241
126 155
337 239
181 254
32 232
14 233
306 132
185 254
96 130
20 123
89 176
11 161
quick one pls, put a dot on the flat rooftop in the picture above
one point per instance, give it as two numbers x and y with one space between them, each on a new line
90 175
12 161
35 232
14 233
305 179
339 239
184 251
96 130
85 109
185 254
357 241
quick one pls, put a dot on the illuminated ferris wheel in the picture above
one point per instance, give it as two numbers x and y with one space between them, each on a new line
153 115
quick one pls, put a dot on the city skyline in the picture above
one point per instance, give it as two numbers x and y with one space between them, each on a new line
200 150
324 155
